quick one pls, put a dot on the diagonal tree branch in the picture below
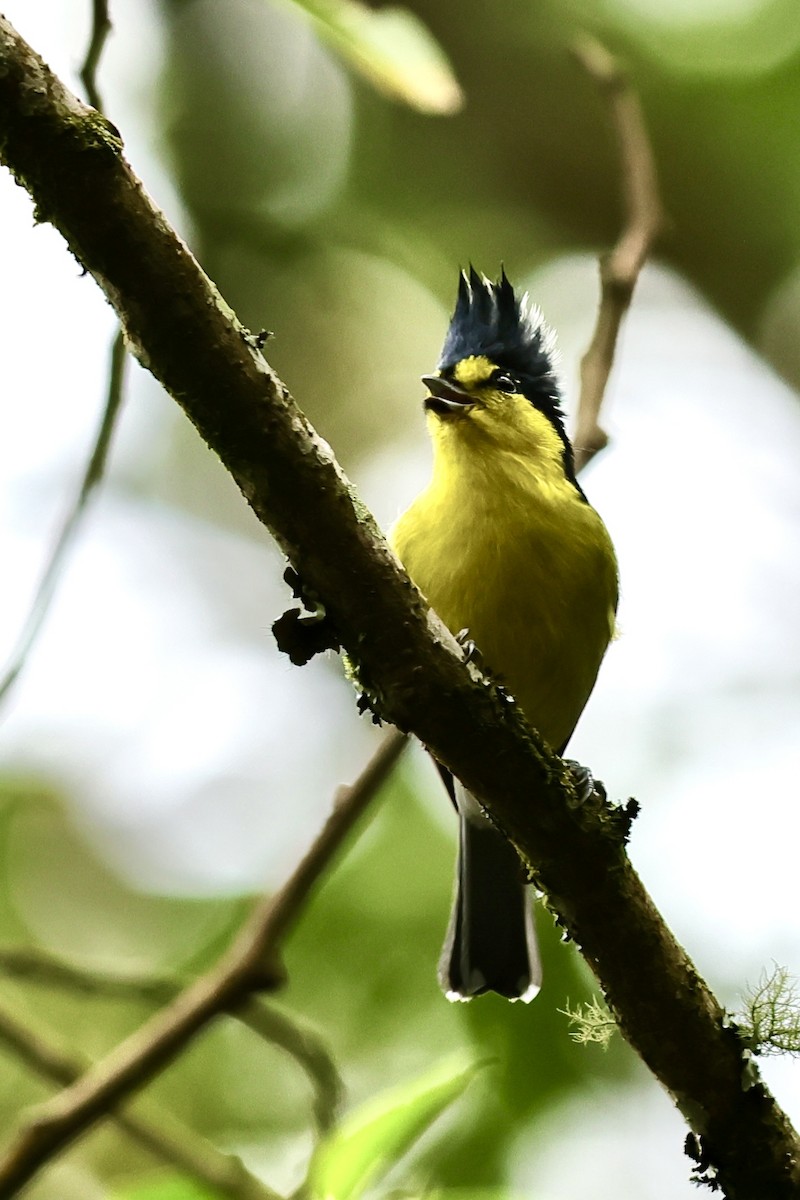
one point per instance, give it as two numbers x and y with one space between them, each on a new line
181 329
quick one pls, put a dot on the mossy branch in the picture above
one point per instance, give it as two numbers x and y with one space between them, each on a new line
71 162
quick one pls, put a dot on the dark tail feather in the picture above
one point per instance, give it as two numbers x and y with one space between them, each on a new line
491 943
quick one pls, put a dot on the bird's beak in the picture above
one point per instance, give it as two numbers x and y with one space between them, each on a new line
445 396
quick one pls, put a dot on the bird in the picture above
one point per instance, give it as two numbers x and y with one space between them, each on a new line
507 550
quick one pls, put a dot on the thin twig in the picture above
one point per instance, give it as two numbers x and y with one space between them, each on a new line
46 970
101 27
307 1048
251 964
95 469
160 1134
619 270
296 1038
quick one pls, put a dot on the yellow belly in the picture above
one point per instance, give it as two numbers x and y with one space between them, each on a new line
532 576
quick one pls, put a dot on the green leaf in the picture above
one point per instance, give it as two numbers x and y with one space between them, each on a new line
166 1187
392 49
375 1136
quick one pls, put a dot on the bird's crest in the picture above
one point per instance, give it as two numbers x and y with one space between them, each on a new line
490 320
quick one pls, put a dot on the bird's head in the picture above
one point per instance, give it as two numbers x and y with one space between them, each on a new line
495 387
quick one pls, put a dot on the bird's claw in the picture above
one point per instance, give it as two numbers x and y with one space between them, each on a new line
584 782
470 652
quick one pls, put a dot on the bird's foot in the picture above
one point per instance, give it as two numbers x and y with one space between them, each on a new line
469 651
618 817
584 782
472 656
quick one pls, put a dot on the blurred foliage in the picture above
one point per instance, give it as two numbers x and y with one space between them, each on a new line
372 1139
315 201
361 967
391 48
164 1187
337 218
528 167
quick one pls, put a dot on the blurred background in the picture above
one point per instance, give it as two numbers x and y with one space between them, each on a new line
161 763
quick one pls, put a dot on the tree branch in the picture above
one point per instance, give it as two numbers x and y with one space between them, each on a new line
72 164
95 469
250 964
161 1135
619 270
307 1048
297 1039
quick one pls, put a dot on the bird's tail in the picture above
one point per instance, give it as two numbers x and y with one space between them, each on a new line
491 942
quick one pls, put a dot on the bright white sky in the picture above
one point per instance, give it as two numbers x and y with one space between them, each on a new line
155 694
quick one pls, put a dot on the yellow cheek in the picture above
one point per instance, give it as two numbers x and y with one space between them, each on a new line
527 421
515 421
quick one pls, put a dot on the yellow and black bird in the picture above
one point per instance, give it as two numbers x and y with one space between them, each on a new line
504 543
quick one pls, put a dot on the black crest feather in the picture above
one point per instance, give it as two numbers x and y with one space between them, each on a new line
490 320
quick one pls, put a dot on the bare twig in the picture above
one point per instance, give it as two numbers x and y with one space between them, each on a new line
95 469
46 970
249 965
101 27
160 1133
619 270
304 1045
296 1038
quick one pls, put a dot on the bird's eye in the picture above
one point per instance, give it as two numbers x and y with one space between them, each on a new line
503 381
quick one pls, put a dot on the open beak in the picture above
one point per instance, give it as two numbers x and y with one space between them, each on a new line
445 396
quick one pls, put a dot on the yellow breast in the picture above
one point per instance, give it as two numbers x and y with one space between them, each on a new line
523 562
